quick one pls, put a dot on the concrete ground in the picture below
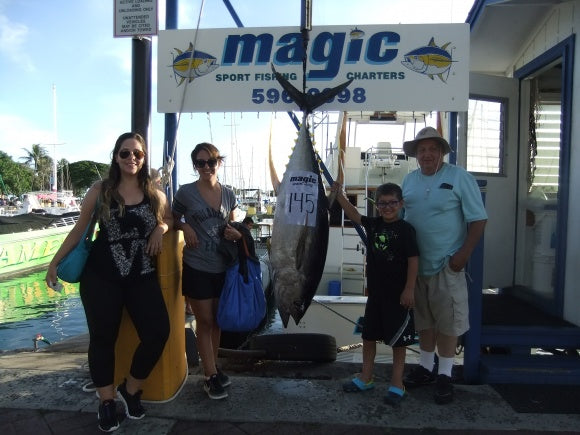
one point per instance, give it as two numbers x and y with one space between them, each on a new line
40 393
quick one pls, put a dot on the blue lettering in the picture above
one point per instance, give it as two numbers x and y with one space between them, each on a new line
376 51
354 51
290 53
248 44
326 50
325 55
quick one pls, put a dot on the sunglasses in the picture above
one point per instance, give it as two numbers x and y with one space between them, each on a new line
390 204
200 163
126 153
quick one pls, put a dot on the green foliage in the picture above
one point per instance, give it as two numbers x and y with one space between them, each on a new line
36 171
84 173
38 159
16 177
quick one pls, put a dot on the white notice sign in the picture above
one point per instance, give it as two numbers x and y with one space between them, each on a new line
135 18
301 205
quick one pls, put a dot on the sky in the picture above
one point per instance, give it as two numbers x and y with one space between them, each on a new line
68 46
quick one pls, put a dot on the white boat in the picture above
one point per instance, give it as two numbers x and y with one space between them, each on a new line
30 237
55 203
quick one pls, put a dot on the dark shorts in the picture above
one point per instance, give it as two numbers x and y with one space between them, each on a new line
197 284
390 323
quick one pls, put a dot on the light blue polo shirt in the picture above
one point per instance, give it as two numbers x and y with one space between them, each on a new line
439 207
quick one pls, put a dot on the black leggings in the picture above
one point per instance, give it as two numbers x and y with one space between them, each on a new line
103 300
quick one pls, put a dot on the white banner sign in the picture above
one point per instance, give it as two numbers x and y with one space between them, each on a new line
136 18
393 67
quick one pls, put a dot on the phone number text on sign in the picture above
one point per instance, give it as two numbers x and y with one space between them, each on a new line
273 95
301 199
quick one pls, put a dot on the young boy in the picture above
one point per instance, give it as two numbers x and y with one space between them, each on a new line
392 262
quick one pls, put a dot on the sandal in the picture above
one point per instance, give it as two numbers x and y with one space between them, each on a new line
395 396
356 385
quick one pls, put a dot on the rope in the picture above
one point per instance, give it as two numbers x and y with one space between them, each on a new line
169 164
338 314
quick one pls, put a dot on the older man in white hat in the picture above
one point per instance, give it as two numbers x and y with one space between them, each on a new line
444 204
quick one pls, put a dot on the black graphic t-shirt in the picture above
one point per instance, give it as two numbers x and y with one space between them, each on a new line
120 246
389 247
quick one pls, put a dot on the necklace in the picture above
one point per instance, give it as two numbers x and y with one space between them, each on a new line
428 182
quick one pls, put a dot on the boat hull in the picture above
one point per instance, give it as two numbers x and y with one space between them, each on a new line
28 251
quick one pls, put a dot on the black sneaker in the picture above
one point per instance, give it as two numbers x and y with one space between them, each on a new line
443 390
419 376
213 388
223 378
133 408
107 416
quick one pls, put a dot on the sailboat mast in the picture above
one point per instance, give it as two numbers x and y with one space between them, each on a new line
54 142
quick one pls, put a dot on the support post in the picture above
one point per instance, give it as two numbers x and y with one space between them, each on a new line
141 87
169 142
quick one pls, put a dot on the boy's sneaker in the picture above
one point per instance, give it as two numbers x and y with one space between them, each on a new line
132 402
223 378
443 390
213 388
419 376
107 416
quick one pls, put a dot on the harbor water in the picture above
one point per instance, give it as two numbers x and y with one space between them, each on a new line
29 310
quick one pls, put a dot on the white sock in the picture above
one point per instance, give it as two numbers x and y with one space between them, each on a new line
427 359
445 366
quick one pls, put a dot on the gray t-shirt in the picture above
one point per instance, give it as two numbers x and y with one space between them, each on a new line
208 224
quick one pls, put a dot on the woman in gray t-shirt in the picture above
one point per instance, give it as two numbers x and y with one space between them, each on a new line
203 210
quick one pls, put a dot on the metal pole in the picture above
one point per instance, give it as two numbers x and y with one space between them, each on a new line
169 142
141 87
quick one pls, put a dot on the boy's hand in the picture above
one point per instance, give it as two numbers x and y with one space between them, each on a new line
408 298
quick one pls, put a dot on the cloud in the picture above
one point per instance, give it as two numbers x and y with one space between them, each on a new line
13 37
17 133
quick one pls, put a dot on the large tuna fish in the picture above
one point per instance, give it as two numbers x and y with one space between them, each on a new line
300 232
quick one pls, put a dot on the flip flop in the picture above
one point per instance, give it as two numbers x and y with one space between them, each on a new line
395 396
356 385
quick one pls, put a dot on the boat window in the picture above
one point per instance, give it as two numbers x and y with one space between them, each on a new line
485 136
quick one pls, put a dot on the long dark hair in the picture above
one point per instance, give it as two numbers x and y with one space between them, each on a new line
109 188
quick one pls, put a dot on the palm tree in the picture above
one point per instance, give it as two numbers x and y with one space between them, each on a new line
38 159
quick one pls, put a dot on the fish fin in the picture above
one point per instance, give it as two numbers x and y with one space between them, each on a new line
341 150
273 174
178 51
307 103
441 77
341 147
432 42
430 76
444 47
284 316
